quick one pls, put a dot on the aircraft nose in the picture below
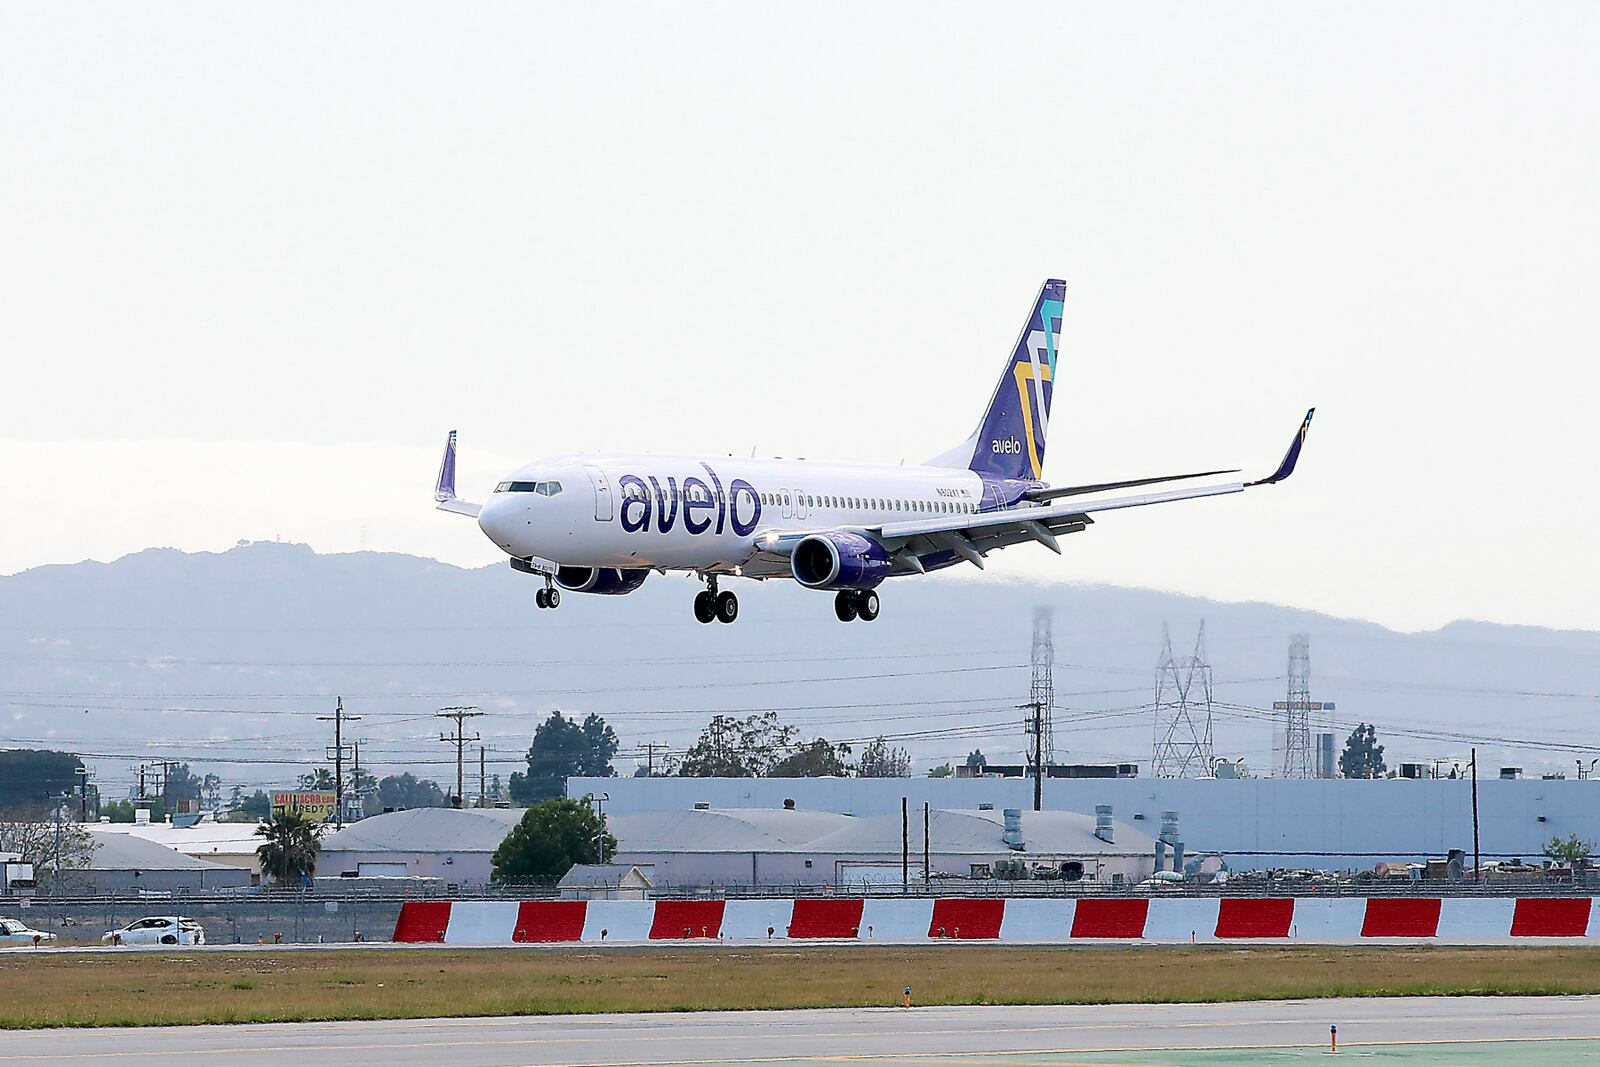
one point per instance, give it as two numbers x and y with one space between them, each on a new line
499 519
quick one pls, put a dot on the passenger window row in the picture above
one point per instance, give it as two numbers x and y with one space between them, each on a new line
856 503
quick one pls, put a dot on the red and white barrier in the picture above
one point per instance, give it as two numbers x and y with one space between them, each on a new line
1022 919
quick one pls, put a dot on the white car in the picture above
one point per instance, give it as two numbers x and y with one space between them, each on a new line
16 932
158 930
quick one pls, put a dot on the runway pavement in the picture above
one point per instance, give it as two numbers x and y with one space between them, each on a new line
1500 1030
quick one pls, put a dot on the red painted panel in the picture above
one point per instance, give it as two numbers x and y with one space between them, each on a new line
826 918
958 917
550 920
676 919
1550 917
1110 918
1401 917
422 921
1254 918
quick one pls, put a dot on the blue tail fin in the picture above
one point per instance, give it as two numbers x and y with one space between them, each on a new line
1009 441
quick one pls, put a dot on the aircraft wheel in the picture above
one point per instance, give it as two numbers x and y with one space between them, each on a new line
705 606
541 598
727 607
867 605
844 605
552 599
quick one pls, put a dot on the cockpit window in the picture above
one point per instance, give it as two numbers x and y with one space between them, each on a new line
542 488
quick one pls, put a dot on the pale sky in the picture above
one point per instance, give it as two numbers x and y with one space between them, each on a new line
255 261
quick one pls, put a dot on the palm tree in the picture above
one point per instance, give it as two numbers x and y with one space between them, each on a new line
289 853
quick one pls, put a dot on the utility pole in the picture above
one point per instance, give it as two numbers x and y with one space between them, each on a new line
338 718
650 748
83 793
356 778
1035 726
483 793
905 845
1477 857
927 866
460 715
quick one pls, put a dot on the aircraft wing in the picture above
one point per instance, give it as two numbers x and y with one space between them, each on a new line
971 536
444 487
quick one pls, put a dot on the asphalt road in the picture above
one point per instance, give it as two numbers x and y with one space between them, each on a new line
1541 1030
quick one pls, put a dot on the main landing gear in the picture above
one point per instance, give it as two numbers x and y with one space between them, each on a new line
710 604
852 604
548 597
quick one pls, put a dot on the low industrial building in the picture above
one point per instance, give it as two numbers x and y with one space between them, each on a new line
232 844
605 881
788 847
1255 824
452 844
123 863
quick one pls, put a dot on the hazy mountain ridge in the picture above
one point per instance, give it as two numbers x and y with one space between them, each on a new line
266 634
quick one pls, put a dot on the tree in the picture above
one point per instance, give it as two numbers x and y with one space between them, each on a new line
317 781
976 760
257 805
46 838
180 784
563 748
944 770
1568 851
738 748
289 854
1363 756
551 837
33 776
408 791
211 791
880 760
813 759
123 810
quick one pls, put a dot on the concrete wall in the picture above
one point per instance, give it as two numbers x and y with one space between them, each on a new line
1255 823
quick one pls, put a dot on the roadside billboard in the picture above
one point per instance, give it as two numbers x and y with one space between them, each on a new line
318 807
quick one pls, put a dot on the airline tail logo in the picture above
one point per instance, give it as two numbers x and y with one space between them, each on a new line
1018 420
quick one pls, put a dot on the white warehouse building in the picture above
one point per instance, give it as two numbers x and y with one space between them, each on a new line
1254 823
781 847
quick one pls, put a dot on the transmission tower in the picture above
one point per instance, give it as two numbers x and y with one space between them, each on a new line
1042 693
1183 712
1297 711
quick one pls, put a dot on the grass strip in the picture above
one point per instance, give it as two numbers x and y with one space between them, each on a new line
106 989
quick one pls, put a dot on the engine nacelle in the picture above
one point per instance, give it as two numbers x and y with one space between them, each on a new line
839 561
605 581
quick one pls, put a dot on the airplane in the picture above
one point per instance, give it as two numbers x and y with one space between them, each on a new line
601 522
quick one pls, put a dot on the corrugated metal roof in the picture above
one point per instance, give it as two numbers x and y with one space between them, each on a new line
427 830
202 839
125 852
722 830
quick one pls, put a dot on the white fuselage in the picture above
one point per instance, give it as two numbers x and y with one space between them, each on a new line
704 513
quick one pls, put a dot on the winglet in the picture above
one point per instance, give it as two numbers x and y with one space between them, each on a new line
1291 457
445 487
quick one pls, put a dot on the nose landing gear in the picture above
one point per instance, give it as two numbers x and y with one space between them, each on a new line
852 604
710 604
548 597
